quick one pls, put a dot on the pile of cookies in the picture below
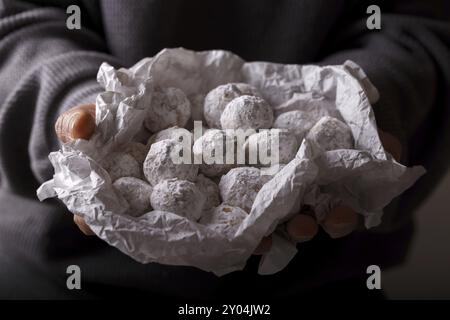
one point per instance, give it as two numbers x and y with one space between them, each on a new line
219 194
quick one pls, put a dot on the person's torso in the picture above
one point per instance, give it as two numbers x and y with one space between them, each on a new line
287 31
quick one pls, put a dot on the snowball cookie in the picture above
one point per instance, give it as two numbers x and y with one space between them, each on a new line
247 112
211 191
176 133
217 99
159 165
240 186
181 197
205 148
121 164
298 122
224 219
169 107
331 134
137 150
262 142
137 193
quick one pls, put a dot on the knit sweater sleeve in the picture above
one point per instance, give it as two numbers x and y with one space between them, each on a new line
407 59
44 69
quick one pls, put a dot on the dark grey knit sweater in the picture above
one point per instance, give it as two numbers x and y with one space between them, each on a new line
46 68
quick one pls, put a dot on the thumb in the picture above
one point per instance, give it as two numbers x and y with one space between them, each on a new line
340 222
76 123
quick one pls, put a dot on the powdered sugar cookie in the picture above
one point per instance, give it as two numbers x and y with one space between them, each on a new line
121 164
224 219
240 186
160 163
247 112
137 193
181 197
331 134
217 99
169 107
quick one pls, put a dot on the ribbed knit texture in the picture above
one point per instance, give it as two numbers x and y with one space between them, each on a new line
46 68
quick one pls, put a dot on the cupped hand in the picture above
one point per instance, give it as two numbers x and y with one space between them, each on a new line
79 123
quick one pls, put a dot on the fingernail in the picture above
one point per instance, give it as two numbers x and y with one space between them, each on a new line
341 221
72 123
339 230
303 239
81 125
302 228
82 225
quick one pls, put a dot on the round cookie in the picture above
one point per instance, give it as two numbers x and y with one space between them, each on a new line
262 141
181 197
217 99
298 122
331 134
160 165
224 219
205 147
240 186
169 107
121 164
247 112
137 193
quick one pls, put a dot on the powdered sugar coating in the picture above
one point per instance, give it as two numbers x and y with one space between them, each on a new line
121 164
287 146
247 112
169 107
298 122
217 99
240 186
207 145
181 197
175 133
331 134
137 193
211 191
159 163
224 219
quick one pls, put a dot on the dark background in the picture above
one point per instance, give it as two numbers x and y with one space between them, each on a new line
426 273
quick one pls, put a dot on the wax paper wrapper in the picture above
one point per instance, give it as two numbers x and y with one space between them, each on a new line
365 178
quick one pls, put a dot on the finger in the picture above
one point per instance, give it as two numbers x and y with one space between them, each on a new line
391 144
302 228
341 221
76 123
79 221
263 246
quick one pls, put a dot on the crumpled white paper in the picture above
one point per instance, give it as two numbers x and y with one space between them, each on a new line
366 178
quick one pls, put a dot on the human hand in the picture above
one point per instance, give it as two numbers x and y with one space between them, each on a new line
77 123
